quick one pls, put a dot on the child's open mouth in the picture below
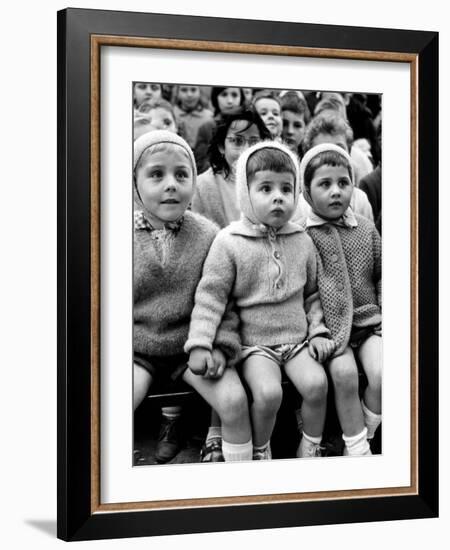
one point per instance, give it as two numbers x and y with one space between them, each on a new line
170 201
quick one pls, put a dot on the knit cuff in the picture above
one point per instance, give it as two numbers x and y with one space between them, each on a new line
197 343
320 330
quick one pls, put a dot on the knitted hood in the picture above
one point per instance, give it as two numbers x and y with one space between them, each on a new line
155 137
242 190
311 154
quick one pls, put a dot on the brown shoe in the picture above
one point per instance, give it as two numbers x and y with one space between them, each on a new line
169 440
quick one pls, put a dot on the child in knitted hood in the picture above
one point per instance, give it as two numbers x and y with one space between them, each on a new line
267 265
349 280
170 246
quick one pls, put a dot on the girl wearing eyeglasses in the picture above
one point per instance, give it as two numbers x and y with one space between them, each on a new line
225 102
215 196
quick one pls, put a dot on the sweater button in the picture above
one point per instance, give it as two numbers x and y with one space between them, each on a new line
340 286
277 254
334 258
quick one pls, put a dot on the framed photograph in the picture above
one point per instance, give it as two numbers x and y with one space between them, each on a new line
132 454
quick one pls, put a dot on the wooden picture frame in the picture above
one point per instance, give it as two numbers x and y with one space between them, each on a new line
81 35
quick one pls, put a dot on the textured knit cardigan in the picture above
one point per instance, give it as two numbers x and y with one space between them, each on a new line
164 295
349 277
270 275
349 267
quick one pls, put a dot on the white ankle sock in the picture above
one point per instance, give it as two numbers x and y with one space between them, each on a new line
307 444
357 445
371 420
214 431
234 452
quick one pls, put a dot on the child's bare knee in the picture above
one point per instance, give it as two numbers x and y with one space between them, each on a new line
233 406
344 375
317 388
268 396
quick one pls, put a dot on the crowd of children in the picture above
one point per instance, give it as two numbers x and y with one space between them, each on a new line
257 257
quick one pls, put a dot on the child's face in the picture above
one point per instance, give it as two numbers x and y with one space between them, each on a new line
165 183
293 129
337 139
189 96
272 197
146 93
239 137
248 94
331 190
229 101
269 110
162 119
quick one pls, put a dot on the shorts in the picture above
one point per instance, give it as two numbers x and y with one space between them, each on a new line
359 335
279 354
163 370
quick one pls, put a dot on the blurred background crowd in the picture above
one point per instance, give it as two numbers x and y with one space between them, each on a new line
219 123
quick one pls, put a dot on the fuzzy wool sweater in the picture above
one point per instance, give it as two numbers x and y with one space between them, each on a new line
272 279
349 277
215 198
164 292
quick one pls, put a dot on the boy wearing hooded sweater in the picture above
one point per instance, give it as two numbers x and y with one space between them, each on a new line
170 246
267 265
349 280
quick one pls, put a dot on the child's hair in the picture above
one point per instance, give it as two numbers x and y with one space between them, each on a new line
217 90
329 158
265 94
294 102
216 157
331 102
270 159
160 103
328 122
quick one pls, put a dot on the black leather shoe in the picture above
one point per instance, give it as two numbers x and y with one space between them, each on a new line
169 440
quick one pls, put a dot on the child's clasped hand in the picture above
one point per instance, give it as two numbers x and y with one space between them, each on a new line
206 363
321 348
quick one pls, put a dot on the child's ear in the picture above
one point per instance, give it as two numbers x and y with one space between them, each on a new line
221 149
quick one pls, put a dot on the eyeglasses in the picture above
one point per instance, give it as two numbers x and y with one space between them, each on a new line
240 141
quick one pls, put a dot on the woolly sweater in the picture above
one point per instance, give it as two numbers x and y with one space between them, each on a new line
272 279
349 277
215 198
164 295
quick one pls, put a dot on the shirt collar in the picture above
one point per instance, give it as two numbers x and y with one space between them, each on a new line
245 227
348 219
142 223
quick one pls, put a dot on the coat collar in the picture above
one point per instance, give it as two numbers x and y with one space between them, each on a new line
246 228
348 219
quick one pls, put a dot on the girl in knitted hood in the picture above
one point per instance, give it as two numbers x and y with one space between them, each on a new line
170 246
267 265
349 280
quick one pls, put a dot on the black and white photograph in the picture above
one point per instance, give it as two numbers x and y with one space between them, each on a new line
257 273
